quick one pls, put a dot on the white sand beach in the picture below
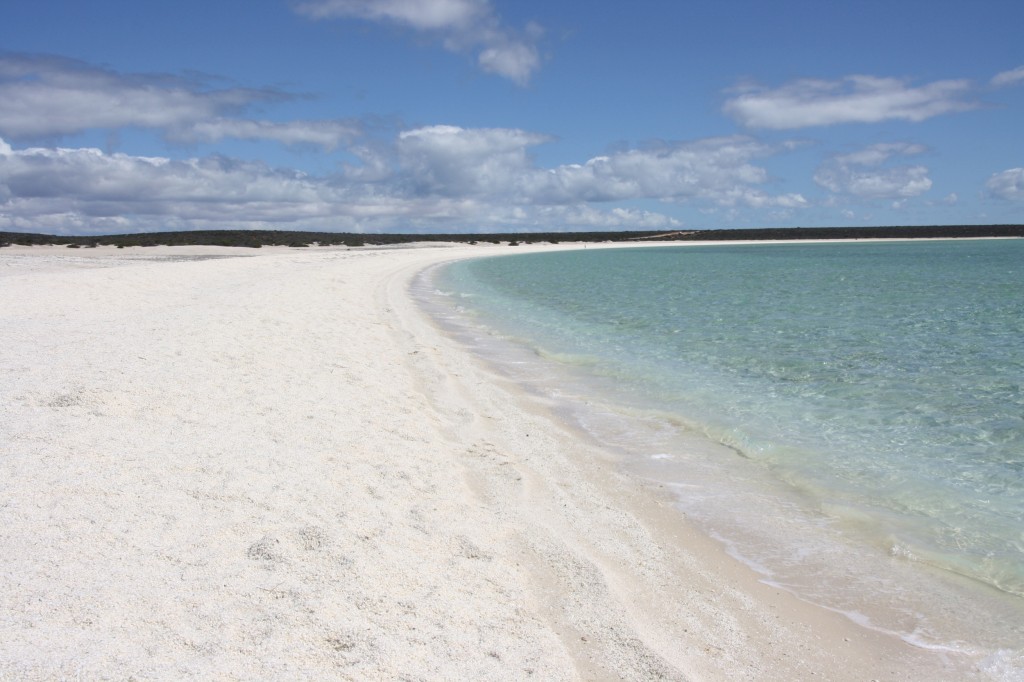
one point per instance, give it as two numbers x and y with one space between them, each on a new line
271 465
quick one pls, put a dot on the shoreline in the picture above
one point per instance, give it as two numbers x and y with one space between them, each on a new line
365 500
846 562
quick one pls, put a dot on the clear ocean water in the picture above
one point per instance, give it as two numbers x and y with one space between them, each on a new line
847 418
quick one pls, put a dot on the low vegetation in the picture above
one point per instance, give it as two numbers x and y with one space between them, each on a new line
258 238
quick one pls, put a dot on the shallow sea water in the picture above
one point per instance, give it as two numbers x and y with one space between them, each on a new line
847 418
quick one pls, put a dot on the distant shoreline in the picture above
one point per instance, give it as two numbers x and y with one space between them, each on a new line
260 238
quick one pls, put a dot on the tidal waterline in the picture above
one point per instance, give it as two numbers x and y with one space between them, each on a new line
805 400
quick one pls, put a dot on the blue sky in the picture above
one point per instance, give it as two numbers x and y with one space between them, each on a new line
491 115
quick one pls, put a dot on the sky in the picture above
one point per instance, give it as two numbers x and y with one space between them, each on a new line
123 116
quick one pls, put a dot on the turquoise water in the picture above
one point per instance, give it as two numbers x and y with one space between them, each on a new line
875 390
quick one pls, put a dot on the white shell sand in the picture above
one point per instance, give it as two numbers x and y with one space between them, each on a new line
273 466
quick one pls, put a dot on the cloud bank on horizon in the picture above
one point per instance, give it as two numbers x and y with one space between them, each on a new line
404 115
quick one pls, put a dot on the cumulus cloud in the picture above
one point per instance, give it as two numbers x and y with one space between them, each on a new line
89 183
46 97
854 99
435 177
449 160
86 190
1011 77
1008 185
861 174
460 25
716 170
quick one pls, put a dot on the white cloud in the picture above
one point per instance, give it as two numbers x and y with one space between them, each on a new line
424 15
44 97
461 25
1011 77
84 191
716 170
436 178
853 99
860 173
50 96
513 60
451 161
90 183
1009 184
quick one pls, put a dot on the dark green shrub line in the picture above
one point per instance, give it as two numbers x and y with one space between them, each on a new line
258 238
